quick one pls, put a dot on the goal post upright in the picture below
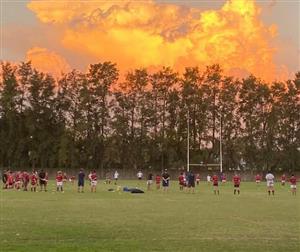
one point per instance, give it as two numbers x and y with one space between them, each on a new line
188 143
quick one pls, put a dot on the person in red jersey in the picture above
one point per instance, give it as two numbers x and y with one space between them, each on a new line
236 183
293 181
215 181
197 178
10 180
283 179
157 181
18 180
93 178
25 179
181 181
33 180
59 181
257 178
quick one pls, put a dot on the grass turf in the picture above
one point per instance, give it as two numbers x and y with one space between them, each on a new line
154 221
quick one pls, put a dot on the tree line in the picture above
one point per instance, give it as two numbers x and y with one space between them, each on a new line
101 121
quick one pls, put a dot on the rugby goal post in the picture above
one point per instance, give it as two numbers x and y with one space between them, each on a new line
208 166
188 147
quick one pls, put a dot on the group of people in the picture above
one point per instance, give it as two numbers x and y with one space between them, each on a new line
22 180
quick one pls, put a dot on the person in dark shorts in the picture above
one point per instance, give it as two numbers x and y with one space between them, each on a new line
43 180
81 176
236 183
165 180
191 181
149 181
4 179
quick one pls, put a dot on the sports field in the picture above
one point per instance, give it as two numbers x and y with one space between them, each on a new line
154 221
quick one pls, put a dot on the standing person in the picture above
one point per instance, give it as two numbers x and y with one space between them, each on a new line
157 181
93 181
191 181
283 179
270 183
59 181
34 180
165 180
18 180
257 178
25 178
149 181
107 177
236 183
208 178
116 176
4 179
223 178
65 177
139 175
43 180
293 181
81 176
215 181
10 180
198 178
181 181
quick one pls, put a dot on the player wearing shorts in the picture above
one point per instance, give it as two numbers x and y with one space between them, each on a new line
181 181
215 181
149 181
165 180
293 181
198 178
139 175
236 183
81 176
223 178
157 181
283 179
116 177
257 178
208 178
43 180
270 183
65 177
94 181
18 180
25 179
59 181
33 182
191 182
4 179
10 180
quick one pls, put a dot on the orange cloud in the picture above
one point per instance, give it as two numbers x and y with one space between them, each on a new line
138 34
47 61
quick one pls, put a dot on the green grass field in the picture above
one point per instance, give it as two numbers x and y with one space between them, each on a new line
154 221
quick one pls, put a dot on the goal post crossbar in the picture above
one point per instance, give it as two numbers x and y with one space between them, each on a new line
204 164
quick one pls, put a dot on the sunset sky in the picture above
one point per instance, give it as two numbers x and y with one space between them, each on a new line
244 36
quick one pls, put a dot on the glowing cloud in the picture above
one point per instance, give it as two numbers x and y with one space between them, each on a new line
46 61
138 34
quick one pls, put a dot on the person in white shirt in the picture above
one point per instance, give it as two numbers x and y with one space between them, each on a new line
208 178
116 177
140 175
270 183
